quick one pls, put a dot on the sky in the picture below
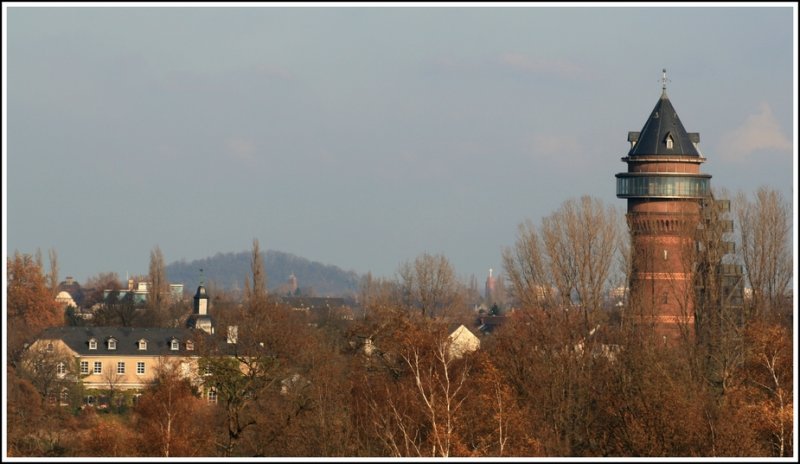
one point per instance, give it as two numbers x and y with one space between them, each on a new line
363 137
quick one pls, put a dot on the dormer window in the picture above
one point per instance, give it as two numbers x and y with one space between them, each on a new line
142 344
174 344
190 345
49 347
92 343
112 344
668 141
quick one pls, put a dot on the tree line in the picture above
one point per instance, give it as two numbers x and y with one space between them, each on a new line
567 374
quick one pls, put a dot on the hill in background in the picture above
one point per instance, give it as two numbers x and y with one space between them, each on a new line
229 271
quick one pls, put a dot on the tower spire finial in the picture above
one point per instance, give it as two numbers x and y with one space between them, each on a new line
664 81
201 277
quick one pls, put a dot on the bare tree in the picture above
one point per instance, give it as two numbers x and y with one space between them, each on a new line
573 253
49 367
158 289
376 294
52 276
429 284
258 288
525 264
764 247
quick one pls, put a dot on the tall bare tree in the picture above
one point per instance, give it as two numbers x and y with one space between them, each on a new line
258 288
52 276
572 252
430 285
526 266
764 247
159 287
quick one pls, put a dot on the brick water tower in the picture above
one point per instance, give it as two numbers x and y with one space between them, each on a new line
664 188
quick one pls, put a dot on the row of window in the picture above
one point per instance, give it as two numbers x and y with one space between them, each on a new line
98 367
662 186
174 344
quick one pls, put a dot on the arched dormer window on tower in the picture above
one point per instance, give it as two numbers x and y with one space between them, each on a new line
668 141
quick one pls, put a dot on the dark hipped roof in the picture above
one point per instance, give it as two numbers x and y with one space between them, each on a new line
158 339
664 121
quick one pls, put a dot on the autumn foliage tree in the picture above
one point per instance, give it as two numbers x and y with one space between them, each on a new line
171 417
31 306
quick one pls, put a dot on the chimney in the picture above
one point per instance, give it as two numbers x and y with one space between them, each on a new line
233 333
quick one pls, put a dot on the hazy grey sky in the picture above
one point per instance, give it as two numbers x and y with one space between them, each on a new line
362 137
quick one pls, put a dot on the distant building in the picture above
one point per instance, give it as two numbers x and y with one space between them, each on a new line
176 292
64 299
489 292
487 324
72 288
320 308
139 291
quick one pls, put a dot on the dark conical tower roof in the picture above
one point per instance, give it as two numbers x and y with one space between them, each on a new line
662 125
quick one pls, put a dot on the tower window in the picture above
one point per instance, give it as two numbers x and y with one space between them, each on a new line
665 255
668 141
665 298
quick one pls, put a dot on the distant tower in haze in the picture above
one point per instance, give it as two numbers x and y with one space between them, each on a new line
292 284
490 288
664 189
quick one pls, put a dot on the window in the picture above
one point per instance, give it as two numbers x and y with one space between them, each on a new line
665 298
669 142
112 344
64 397
49 347
174 345
92 344
142 344
140 368
212 395
61 368
120 368
98 367
190 345
665 255
84 367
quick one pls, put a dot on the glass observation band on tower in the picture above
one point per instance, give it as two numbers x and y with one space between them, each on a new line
651 185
